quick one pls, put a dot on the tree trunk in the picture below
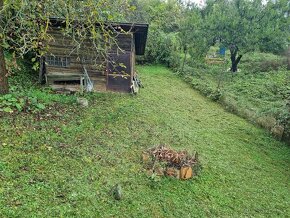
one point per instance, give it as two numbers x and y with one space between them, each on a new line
235 63
184 60
288 57
235 60
41 70
3 71
3 74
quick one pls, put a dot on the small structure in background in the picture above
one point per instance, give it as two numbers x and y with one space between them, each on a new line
164 161
79 68
216 55
222 51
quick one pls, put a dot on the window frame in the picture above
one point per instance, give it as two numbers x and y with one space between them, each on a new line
58 61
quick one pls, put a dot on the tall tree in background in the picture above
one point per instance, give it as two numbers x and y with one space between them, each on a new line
276 22
243 25
24 25
188 27
193 35
163 18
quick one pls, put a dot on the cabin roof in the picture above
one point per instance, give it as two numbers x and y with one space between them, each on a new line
140 31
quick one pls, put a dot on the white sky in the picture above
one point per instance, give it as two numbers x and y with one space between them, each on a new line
198 2
202 2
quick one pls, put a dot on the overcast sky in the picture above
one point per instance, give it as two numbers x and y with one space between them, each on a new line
198 2
202 2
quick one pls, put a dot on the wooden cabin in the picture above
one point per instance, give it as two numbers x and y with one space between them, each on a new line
66 68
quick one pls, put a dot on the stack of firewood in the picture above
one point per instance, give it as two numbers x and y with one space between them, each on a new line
162 160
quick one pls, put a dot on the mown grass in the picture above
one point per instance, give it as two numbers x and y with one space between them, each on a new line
65 161
259 92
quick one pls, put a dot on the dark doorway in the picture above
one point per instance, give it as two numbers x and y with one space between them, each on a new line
119 76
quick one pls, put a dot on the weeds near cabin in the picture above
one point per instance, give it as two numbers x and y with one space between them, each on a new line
10 103
26 95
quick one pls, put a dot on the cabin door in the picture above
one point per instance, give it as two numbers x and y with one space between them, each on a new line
119 76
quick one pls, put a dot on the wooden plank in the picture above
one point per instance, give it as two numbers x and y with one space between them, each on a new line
99 79
133 60
51 70
70 52
75 69
41 70
72 88
78 65
58 39
52 79
124 41
61 75
59 34
93 75
88 44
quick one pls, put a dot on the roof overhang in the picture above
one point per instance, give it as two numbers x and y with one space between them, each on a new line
140 31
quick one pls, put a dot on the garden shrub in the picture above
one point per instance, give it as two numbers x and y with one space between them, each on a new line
12 103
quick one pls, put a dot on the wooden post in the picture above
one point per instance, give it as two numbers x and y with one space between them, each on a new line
82 84
41 70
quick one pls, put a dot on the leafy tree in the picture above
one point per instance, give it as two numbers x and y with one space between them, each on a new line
192 35
164 14
24 25
163 18
277 16
243 25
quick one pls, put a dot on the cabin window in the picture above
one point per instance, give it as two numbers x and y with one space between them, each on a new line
58 61
87 59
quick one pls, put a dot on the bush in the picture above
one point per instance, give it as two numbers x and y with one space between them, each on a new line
262 62
25 93
11 103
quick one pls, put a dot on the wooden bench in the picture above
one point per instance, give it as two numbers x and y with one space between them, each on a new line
53 78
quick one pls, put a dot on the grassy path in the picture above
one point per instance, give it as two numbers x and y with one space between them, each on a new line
65 164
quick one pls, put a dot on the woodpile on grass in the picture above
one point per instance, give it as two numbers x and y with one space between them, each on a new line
164 161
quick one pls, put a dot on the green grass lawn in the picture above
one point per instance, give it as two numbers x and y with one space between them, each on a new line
64 162
259 92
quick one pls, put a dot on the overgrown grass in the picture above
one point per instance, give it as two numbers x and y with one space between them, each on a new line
64 162
259 91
